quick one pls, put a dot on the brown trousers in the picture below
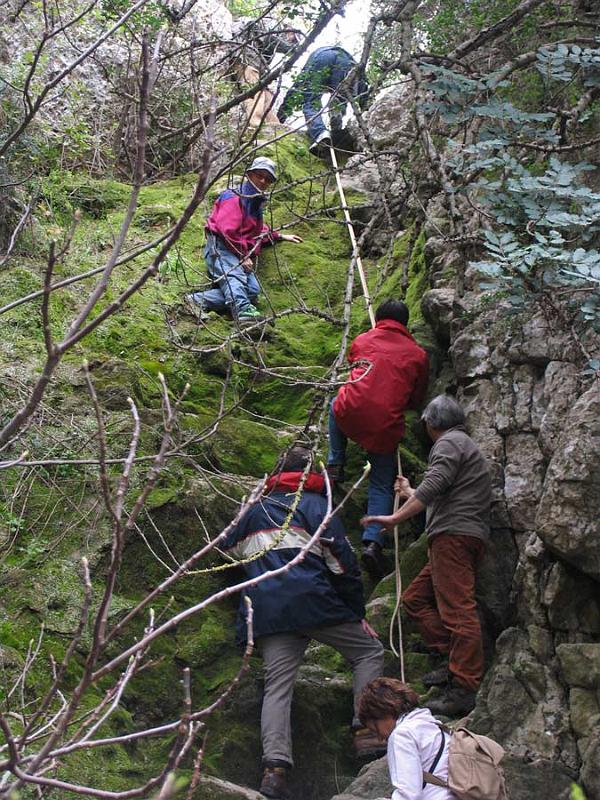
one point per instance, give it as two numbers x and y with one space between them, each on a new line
441 600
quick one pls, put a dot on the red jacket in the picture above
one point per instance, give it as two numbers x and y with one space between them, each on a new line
371 410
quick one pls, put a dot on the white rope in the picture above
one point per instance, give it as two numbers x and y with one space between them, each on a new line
355 253
399 653
396 617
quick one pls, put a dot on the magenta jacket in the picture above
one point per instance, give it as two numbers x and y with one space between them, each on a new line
237 218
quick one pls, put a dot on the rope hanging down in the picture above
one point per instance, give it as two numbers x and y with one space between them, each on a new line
399 653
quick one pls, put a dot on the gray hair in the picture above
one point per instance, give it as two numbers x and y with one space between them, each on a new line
443 413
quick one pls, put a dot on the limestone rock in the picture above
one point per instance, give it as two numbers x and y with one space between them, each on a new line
471 352
539 779
572 601
567 518
437 307
584 708
560 393
523 479
580 664
523 705
534 340
590 775
390 117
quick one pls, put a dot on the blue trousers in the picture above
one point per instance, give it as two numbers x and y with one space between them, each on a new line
324 71
233 288
381 478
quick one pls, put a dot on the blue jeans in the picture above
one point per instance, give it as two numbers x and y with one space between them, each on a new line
312 108
234 289
381 478
324 71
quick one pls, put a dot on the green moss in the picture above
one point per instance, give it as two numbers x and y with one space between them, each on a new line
266 395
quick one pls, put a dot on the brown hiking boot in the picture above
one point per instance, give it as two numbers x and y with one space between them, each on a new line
455 702
374 561
368 745
274 783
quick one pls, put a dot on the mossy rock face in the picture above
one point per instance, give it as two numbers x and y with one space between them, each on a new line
265 397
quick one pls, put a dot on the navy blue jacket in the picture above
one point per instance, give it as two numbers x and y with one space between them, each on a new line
323 589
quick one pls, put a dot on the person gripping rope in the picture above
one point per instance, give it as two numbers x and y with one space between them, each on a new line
328 69
235 235
389 375
319 598
456 493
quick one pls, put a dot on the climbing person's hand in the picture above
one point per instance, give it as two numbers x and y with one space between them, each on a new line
291 237
402 487
247 265
386 522
368 629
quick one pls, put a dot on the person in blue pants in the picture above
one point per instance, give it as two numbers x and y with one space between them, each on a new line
235 234
328 69
389 374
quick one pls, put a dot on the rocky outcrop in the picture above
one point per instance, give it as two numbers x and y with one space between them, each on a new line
536 415
567 517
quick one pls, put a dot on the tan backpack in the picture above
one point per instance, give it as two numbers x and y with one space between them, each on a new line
474 771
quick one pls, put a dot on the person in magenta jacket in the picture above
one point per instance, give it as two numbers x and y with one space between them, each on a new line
235 235
389 375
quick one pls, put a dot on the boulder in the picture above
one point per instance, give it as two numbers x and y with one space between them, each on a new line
390 118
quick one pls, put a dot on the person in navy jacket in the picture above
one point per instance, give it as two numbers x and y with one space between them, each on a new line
389 374
235 235
321 598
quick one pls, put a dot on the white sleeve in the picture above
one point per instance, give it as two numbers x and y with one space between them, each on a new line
404 763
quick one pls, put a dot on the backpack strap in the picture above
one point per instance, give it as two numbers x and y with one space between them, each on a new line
429 777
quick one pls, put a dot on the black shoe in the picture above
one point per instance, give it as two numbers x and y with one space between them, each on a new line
321 144
437 677
373 560
274 783
455 702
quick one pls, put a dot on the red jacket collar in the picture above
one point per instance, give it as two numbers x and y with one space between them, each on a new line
392 325
289 482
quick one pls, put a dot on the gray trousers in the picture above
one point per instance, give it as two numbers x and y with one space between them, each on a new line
282 654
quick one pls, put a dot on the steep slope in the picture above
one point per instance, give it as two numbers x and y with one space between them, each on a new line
248 397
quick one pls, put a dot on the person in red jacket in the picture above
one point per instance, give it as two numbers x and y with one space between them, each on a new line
235 234
389 375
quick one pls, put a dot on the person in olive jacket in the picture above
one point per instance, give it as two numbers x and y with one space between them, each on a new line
456 493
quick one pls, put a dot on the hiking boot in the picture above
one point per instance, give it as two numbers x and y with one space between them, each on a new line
437 677
373 560
367 744
321 144
455 702
335 472
249 314
274 783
